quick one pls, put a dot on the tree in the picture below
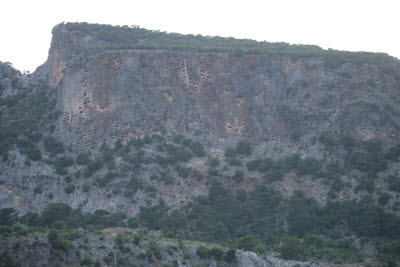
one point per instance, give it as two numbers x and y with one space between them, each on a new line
8 216
220 232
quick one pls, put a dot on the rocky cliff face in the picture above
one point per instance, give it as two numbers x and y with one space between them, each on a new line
282 104
130 121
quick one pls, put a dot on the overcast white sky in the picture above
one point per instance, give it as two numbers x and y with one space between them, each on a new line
25 25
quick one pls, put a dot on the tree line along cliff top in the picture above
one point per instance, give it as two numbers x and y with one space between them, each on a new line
134 37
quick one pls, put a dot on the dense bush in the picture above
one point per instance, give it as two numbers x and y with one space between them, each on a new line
8 216
58 241
27 112
366 161
53 146
83 158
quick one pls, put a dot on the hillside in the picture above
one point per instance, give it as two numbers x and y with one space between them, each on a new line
267 147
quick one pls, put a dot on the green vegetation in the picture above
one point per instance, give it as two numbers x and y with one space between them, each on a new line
275 170
244 148
83 158
8 216
53 146
37 190
250 221
125 37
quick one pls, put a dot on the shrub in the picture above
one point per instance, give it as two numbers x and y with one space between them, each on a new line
314 240
328 141
308 166
368 162
85 188
230 256
147 139
83 158
365 183
238 176
61 171
216 253
68 179
87 261
221 233
5 230
234 162
69 189
197 149
384 199
230 152
119 239
337 185
243 147
247 243
178 153
37 191
93 166
109 258
136 239
394 182
63 162
274 175
177 139
167 178
292 249
214 162
33 153
8 216
393 153
293 161
57 241
260 249
53 146
203 252
4 156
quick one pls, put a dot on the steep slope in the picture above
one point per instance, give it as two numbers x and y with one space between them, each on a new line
144 124
276 101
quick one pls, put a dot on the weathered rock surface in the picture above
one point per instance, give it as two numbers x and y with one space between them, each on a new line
36 250
282 104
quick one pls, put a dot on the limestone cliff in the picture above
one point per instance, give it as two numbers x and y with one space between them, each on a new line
120 121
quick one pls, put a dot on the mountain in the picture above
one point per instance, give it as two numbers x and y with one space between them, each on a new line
267 147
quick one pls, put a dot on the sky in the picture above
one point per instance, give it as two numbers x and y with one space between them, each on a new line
353 25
